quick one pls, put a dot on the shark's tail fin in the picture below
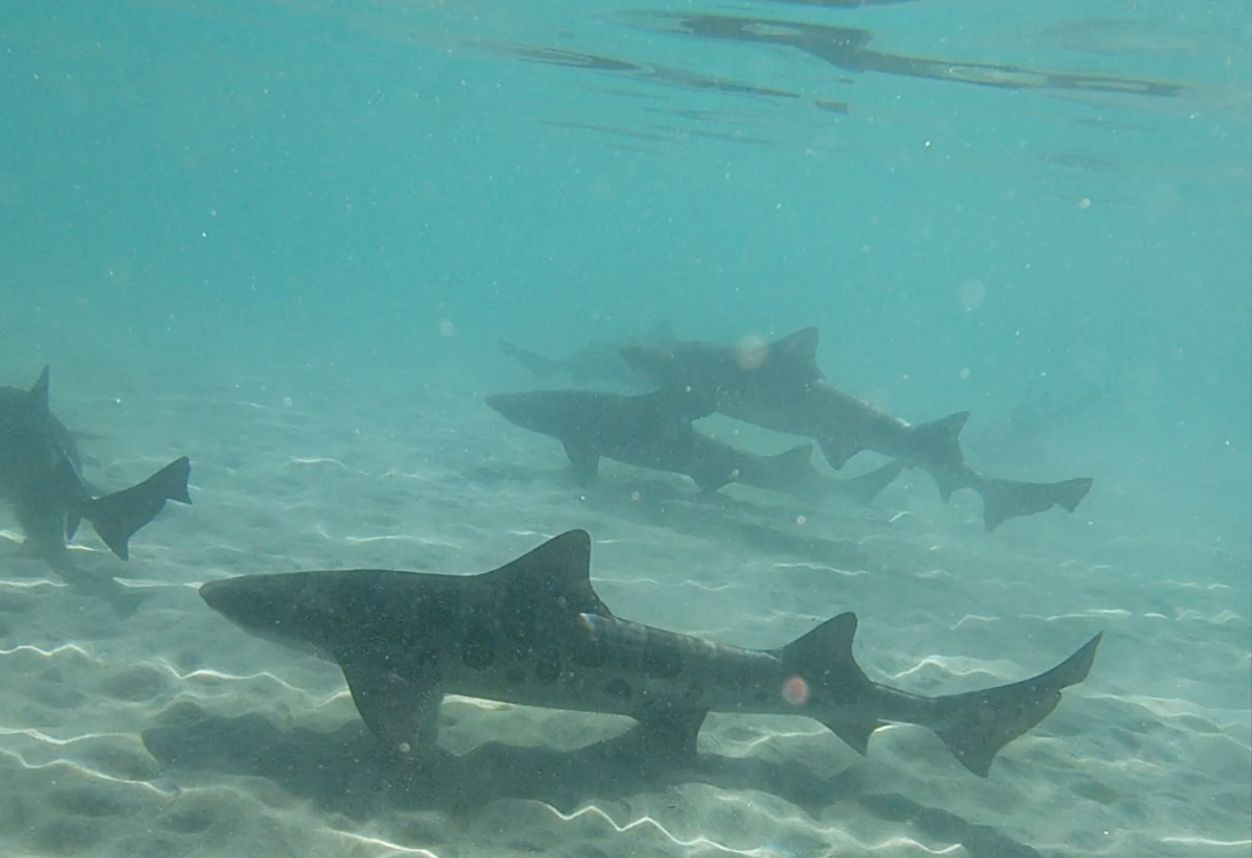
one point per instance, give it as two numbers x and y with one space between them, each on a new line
1005 499
830 678
866 487
536 364
980 723
118 516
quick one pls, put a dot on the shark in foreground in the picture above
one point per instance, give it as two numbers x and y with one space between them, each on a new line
654 430
534 632
41 475
779 386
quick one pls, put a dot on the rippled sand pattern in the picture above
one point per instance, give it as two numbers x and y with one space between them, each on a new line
170 732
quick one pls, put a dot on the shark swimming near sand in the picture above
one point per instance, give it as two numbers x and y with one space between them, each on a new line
779 386
654 430
596 362
534 632
41 476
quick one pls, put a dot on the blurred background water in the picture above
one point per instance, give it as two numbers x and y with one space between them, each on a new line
978 204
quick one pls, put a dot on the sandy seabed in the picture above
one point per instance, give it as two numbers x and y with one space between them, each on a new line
171 732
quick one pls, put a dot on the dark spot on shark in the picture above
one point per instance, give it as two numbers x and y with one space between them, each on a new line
590 653
663 663
478 650
619 688
547 667
694 691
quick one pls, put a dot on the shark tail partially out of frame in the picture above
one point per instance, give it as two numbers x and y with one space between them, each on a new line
974 725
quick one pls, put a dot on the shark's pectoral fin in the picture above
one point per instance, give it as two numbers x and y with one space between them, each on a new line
402 712
667 730
586 461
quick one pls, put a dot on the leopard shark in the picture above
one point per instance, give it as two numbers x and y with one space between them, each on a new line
779 386
41 475
599 361
654 430
535 632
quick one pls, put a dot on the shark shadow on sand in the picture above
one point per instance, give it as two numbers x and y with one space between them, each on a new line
345 772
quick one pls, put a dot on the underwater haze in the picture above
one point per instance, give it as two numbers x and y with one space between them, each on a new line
285 239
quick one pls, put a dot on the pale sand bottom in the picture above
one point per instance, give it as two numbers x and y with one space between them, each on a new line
174 733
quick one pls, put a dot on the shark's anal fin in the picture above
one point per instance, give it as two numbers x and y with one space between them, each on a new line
586 461
667 731
402 712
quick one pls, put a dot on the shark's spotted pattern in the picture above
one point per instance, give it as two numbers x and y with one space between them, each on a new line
535 632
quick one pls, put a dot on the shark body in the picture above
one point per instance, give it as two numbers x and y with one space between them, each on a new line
40 474
596 362
779 386
654 431
535 632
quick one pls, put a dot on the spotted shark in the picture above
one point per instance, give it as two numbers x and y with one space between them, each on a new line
534 632
41 475
779 386
654 430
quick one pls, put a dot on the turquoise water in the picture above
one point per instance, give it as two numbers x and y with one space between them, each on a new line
977 203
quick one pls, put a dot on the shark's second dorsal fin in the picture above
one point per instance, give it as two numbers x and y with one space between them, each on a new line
559 569
800 349
38 392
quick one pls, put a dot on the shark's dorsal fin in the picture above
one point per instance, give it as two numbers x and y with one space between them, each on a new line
38 392
558 569
800 348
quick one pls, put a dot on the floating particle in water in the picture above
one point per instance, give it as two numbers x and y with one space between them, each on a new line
795 690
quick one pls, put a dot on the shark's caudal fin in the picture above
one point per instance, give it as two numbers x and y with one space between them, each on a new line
866 487
938 444
823 659
1005 499
536 364
983 722
118 516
